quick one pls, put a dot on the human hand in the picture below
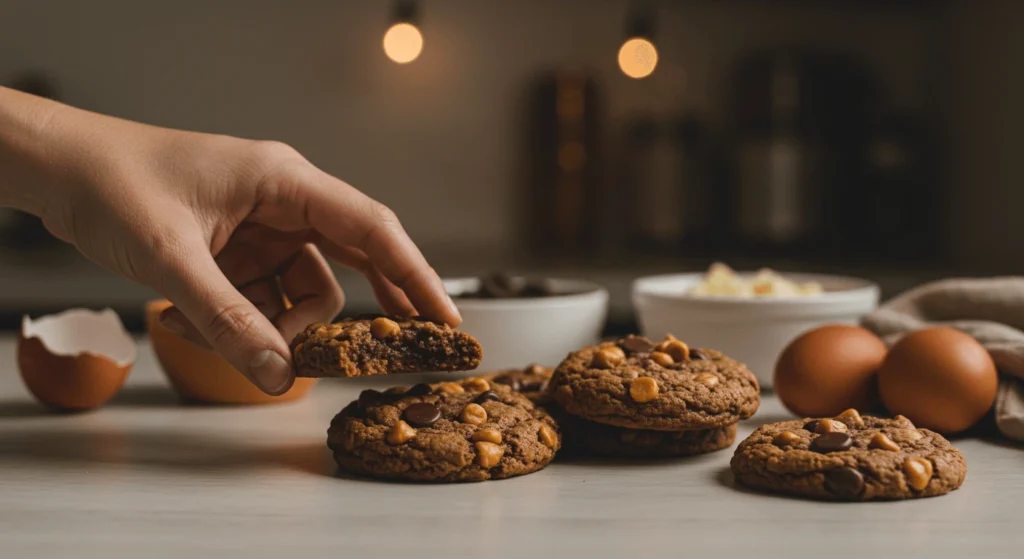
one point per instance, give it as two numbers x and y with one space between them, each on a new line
223 227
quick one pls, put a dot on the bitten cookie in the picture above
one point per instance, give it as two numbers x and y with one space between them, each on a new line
531 382
454 431
381 345
636 383
849 458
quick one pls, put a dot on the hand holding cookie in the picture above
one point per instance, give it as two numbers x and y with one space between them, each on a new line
230 230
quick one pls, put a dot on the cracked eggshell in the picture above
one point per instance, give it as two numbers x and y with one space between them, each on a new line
75 360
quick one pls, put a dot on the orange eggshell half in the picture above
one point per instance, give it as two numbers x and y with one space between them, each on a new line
939 378
202 375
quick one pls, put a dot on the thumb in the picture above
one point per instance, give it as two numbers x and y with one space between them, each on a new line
231 324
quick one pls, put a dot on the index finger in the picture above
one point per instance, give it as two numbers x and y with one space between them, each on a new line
347 217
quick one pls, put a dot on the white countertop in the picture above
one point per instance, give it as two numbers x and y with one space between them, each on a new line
147 477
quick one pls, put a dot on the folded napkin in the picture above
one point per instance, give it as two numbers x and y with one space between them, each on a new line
991 310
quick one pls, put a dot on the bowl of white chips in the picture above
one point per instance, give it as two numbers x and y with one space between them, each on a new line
749 316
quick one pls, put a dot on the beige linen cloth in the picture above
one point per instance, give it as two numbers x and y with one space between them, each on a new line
991 310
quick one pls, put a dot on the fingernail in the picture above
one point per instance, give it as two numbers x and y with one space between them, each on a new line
271 372
172 325
452 306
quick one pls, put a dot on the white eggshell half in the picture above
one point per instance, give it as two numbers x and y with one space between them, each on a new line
77 331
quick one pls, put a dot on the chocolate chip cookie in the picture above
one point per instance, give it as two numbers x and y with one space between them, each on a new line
531 382
636 383
449 432
849 458
586 438
381 345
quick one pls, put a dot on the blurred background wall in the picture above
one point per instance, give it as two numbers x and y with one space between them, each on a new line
443 140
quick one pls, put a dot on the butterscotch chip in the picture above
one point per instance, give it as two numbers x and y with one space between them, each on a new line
537 370
383 327
608 358
851 417
912 434
488 436
662 358
643 389
786 438
883 442
401 433
707 379
476 384
488 454
918 471
450 388
849 466
547 436
678 350
474 414
357 347
830 426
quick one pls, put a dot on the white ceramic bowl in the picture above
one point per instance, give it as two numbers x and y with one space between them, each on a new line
751 330
518 332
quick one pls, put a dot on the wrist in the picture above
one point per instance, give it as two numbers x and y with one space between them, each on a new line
29 168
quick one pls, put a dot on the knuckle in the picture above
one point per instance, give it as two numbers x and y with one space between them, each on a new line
231 324
274 152
334 300
383 214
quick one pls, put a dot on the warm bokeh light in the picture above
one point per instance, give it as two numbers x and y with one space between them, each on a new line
403 43
638 57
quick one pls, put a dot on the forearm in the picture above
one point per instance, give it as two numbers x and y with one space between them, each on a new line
30 167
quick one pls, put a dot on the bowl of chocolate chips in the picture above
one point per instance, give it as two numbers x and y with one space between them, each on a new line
521 320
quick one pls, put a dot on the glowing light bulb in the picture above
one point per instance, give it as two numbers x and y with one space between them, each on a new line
403 43
638 57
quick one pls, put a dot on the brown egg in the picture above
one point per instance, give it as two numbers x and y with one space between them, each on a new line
202 375
828 370
940 378
76 360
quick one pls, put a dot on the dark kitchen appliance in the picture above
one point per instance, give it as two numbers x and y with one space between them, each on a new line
663 194
799 126
563 209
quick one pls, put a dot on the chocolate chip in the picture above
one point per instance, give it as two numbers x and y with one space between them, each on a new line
536 287
531 386
636 344
509 381
832 442
486 396
696 355
369 397
420 389
811 425
844 482
422 414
